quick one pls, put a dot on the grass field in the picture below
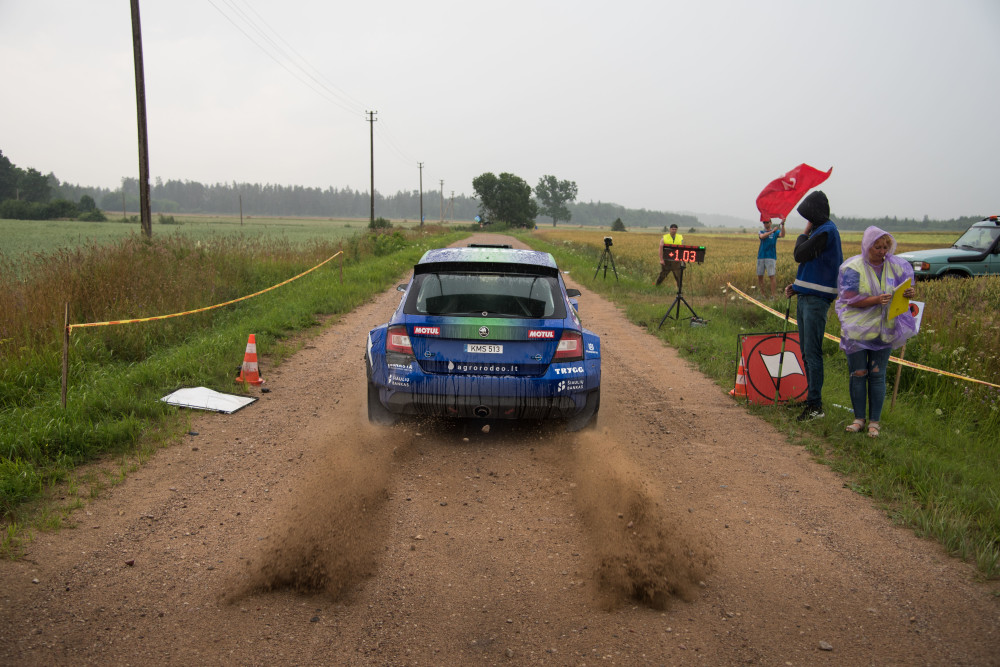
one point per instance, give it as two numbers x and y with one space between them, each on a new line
936 466
28 236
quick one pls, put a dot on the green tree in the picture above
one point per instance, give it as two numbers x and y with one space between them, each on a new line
8 178
34 186
61 208
618 226
87 204
553 195
95 215
505 198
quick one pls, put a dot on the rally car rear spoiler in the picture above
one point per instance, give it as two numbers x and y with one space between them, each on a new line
485 267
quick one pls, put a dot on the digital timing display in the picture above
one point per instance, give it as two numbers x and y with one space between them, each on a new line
684 253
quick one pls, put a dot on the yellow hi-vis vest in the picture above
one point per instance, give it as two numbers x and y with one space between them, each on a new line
679 240
871 322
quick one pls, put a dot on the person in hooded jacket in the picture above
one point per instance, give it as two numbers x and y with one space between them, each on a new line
865 286
818 254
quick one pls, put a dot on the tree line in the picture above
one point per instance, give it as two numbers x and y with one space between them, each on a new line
29 194
507 199
895 224
272 200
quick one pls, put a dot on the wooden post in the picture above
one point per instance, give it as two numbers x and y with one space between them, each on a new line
341 262
65 359
899 371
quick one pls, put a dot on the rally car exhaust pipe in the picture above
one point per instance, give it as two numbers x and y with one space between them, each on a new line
481 411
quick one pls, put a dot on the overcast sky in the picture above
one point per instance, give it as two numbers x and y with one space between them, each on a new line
675 106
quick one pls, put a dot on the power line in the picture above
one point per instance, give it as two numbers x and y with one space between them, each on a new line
391 142
306 63
323 90
278 49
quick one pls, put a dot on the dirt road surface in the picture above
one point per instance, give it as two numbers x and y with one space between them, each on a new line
681 531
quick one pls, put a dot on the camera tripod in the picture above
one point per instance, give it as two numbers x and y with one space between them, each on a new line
678 300
606 256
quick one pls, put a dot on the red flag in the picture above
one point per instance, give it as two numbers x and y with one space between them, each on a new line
780 196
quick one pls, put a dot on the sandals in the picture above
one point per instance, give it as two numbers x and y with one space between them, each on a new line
873 427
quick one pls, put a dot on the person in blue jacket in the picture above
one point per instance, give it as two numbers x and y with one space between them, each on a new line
819 256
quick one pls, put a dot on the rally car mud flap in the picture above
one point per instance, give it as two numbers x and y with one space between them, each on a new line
588 416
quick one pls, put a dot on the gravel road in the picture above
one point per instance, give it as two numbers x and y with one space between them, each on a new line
680 531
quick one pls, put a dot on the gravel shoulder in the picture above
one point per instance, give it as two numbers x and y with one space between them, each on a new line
681 530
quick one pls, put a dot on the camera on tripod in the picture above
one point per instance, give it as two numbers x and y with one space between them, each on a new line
606 257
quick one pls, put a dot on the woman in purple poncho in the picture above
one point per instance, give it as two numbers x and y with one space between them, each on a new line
864 290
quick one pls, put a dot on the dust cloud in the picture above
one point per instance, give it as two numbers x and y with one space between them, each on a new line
643 550
329 541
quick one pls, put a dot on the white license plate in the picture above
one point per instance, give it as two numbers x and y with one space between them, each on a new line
483 348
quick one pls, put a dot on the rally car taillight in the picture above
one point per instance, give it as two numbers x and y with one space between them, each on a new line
397 340
570 347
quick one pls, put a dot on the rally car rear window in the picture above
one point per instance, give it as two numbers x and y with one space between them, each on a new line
496 295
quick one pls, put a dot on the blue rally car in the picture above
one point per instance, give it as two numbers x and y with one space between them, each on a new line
485 332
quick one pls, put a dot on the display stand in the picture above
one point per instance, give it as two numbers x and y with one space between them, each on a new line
678 300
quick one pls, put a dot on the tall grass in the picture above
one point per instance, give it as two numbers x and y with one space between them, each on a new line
118 373
936 467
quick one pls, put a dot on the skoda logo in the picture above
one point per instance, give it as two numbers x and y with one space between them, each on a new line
484 332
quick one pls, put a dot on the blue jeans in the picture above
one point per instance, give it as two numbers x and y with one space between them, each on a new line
811 312
867 383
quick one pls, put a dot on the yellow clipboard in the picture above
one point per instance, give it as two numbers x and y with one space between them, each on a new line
899 304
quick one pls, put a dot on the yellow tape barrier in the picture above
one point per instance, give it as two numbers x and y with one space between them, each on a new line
835 339
201 310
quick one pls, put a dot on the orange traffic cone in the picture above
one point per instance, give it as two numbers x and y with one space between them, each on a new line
740 390
249 372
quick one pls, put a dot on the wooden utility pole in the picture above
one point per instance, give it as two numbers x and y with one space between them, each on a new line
442 200
421 166
371 138
145 216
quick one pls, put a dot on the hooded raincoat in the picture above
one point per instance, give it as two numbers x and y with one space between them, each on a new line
870 328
